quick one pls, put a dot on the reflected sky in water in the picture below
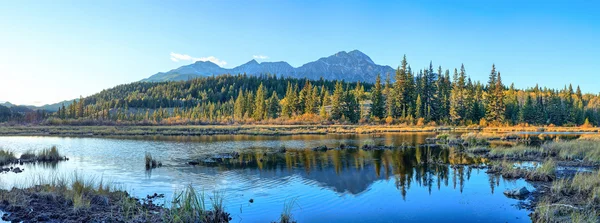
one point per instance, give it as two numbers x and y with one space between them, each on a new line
404 185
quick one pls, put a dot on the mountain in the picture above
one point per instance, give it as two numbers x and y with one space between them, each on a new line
48 107
348 66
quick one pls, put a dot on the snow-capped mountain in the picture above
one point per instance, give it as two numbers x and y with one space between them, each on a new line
348 66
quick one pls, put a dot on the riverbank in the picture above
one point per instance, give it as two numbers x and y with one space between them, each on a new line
564 173
75 199
197 130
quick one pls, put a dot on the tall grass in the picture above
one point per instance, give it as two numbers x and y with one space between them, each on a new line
151 162
546 172
571 200
187 206
6 157
50 154
28 155
585 150
190 206
518 151
286 214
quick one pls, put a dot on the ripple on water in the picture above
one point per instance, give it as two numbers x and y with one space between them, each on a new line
341 186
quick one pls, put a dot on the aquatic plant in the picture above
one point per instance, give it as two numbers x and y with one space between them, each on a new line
6 157
28 155
286 214
187 206
50 154
190 206
151 162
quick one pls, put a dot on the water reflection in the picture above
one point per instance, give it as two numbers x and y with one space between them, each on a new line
353 170
421 184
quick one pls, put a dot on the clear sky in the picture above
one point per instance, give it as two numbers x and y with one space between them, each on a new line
56 50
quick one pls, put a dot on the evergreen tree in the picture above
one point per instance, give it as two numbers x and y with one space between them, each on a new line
377 100
336 101
240 105
273 106
259 105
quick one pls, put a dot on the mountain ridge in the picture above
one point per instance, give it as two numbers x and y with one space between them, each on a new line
350 66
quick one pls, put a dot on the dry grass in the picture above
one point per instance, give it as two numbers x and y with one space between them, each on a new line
571 200
545 172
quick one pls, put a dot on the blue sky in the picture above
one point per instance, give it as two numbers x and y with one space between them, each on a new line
56 50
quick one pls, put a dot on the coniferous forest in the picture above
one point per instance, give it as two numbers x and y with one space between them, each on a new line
429 96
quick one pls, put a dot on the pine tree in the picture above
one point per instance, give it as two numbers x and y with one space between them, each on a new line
259 105
490 96
336 101
499 92
240 105
389 97
351 108
527 113
273 106
457 105
249 104
377 100
419 107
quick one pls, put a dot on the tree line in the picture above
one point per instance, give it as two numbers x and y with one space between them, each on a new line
427 96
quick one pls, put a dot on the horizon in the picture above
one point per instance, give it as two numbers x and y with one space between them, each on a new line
80 48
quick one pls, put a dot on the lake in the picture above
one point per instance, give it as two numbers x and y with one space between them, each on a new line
401 185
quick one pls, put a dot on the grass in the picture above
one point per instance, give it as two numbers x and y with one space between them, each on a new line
579 150
584 150
518 151
28 155
190 206
286 214
6 157
80 192
50 154
545 172
571 200
590 137
187 206
151 162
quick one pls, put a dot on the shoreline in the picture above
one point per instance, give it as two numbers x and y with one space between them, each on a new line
265 130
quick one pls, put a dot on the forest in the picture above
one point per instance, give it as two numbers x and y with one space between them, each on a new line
425 97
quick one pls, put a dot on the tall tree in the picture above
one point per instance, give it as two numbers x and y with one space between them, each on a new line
259 105
377 100
336 101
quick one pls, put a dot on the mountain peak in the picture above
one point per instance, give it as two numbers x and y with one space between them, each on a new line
253 61
350 66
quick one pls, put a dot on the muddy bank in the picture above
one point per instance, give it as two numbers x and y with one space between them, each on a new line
42 203
37 204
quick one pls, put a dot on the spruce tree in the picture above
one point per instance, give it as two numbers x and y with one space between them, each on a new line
259 103
273 106
377 100
336 101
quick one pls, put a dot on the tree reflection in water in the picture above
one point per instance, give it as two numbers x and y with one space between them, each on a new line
353 170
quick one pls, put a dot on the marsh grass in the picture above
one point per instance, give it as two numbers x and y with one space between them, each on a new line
515 152
286 214
151 162
545 172
7 157
27 155
584 150
50 154
190 206
571 200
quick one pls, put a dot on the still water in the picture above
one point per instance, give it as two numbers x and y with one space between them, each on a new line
402 185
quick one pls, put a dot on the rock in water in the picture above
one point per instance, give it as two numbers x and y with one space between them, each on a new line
519 193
